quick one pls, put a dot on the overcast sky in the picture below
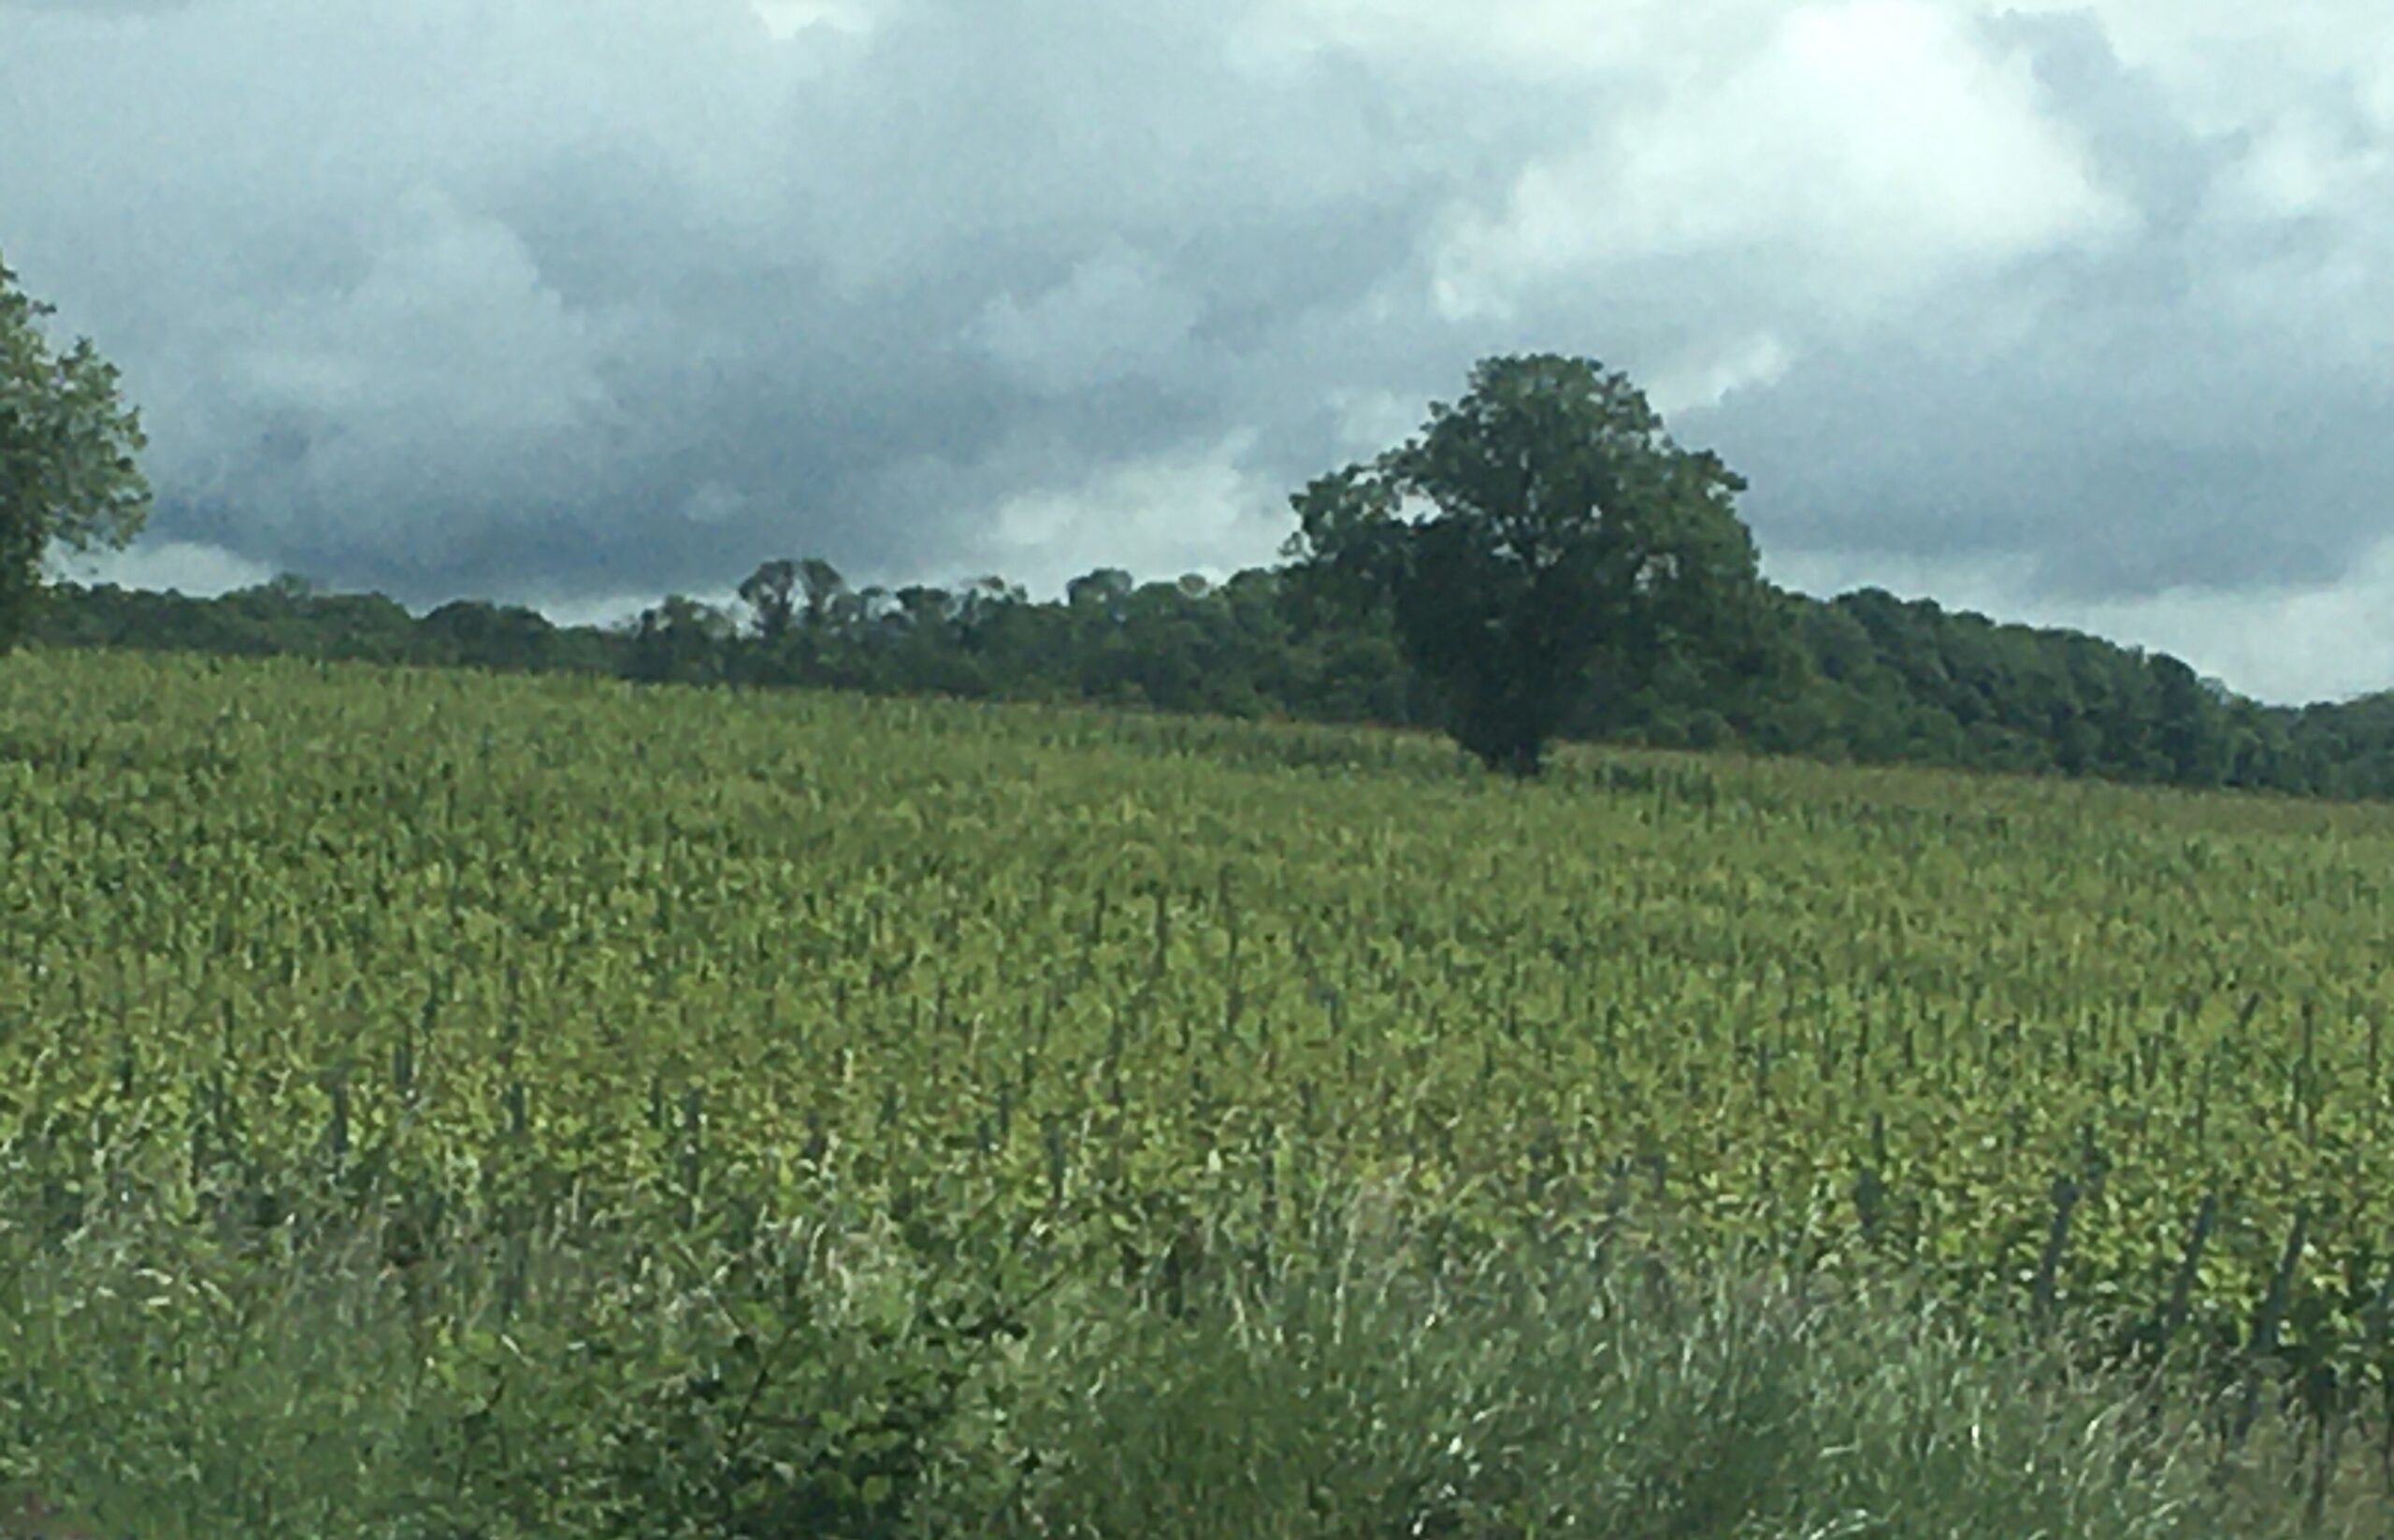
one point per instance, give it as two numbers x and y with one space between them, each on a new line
2075 315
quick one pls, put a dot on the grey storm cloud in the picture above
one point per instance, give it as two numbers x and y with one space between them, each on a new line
2149 430
2080 314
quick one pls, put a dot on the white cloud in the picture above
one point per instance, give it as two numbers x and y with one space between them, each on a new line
201 572
2227 64
1872 146
1118 314
450 332
1628 43
786 19
1159 516
714 503
2299 166
1707 379
1370 420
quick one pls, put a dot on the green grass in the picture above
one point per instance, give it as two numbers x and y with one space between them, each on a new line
806 1386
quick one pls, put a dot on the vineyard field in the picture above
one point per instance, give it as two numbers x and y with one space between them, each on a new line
478 954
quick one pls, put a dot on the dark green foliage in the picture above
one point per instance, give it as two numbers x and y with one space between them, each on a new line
769 591
1865 677
1570 550
67 474
681 642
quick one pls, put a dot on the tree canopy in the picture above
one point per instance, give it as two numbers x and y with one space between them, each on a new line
68 473
1567 544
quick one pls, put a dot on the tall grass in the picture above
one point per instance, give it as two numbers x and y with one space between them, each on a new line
843 1380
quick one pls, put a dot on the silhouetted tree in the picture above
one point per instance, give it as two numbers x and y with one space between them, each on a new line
1099 594
828 603
478 634
682 640
771 591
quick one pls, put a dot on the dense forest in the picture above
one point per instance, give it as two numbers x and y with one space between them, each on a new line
1865 677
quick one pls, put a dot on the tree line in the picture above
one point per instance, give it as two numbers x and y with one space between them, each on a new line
1540 562
1875 679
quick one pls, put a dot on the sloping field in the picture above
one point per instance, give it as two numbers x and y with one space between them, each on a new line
482 957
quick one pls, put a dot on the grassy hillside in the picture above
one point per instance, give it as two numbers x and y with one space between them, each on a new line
546 1106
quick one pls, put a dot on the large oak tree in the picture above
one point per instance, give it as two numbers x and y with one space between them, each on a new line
1540 538
68 473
